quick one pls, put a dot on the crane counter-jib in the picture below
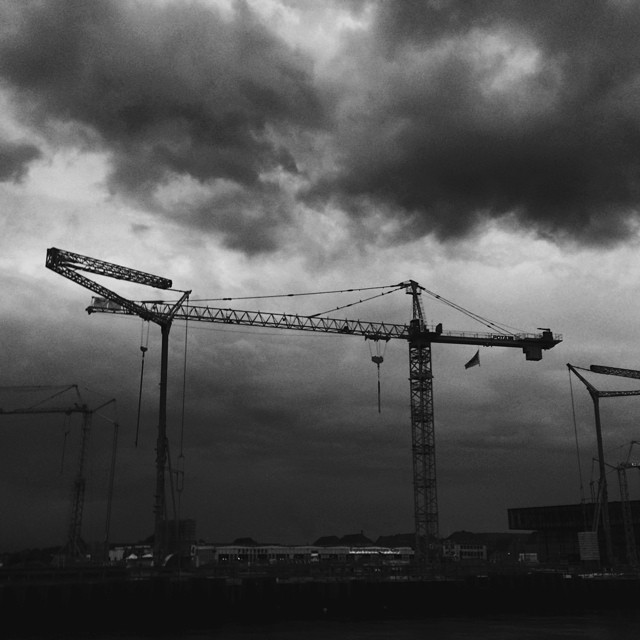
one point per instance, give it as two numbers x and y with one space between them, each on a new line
366 329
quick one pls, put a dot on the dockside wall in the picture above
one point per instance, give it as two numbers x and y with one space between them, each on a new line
190 603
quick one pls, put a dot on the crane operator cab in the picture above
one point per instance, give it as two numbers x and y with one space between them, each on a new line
534 351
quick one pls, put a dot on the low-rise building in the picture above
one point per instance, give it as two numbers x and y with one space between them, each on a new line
219 554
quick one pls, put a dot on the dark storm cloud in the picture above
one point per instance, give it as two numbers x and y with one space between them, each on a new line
15 159
168 90
446 114
475 110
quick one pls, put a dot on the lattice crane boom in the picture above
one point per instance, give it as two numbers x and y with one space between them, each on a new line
615 371
68 264
532 344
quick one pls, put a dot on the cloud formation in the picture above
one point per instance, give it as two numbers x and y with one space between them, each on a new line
167 91
465 111
427 118
15 159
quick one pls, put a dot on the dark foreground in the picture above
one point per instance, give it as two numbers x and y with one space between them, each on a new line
102 601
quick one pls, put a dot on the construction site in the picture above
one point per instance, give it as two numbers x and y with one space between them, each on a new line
568 550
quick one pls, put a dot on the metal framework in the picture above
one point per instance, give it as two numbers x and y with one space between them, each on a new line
417 333
627 516
74 546
603 494
67 264
531 344
423 446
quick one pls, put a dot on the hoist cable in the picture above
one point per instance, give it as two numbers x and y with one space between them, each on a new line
488 323
378 359
379 411
31 388
55 395
144 348
171 483
351 304
180 469
575 431
64 442
294 295
470 314
184 386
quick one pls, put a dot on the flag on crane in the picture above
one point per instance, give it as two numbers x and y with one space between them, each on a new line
474 361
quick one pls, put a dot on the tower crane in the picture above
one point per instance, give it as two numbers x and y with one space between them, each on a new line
68 264
418 334
596 394
73 548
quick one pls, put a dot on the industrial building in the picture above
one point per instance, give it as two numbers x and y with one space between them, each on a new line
205 554
557 528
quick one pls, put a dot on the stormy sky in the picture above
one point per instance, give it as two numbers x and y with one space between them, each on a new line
250 149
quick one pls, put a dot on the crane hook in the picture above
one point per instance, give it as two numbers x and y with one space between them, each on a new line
143 348
378 359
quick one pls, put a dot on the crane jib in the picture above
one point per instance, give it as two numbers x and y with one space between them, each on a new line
533 343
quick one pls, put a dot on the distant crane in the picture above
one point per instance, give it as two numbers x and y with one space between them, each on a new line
603 499
627 516
622 467
417 333
74 547
625 506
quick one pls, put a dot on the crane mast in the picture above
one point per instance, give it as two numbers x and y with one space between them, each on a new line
418 335
423 446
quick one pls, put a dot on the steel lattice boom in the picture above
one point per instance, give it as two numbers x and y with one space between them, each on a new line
532 344
68 264
615 371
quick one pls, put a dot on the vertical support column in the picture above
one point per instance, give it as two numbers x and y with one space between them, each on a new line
423 449
79 484
112 474
159 509
627 518
602 484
